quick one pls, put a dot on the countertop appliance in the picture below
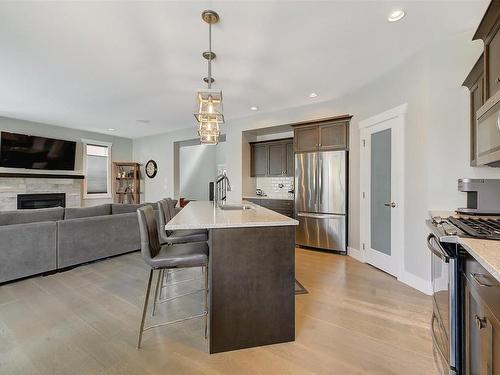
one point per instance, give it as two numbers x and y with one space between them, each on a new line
447 262
483 196
321 199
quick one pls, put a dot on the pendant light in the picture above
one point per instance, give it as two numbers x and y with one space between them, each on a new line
209 112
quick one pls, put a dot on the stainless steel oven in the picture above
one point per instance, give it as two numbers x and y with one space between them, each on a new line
446 296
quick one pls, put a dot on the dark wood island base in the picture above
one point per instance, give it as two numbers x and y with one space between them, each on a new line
252 287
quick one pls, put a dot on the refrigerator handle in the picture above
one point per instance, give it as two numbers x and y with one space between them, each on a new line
320 183
319 216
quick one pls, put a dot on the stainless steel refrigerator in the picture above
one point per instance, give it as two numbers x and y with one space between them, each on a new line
321 199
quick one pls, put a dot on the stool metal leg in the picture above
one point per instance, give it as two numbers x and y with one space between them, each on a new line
162 274
156 292
206 300
146 300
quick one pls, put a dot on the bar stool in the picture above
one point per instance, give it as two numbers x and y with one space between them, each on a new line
165 257
166 211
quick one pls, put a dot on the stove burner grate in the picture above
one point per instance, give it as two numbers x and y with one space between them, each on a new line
478 227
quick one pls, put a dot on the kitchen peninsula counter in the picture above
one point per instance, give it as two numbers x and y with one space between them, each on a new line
252 273
203 215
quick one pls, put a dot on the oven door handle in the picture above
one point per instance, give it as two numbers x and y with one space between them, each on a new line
439 252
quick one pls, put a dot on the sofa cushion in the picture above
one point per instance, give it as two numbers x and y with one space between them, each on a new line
118 208
87 239
76 213
31 216
27 249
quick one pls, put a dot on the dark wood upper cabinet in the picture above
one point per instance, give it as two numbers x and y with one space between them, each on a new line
276 156
475 83
306 138
492 47
489 31
333 136
483 80
272 158
324 134
290 160
259 159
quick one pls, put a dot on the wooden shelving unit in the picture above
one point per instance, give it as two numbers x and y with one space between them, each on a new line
126 182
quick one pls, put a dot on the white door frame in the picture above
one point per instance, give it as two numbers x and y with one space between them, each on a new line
366 127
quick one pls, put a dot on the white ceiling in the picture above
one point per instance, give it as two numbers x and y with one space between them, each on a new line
100 65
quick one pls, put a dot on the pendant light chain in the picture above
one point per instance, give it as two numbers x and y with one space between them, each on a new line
210 56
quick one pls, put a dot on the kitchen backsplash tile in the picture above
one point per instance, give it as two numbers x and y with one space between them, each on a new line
275 187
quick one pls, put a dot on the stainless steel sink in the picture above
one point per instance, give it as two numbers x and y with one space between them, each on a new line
235 207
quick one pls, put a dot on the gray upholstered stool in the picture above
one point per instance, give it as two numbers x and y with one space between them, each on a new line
166 211
165 257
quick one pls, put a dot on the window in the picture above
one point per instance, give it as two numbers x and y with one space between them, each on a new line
97 160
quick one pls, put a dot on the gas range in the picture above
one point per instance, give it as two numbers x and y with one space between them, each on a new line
482 227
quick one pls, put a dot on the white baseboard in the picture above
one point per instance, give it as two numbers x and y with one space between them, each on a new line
356 254
416 282
407 278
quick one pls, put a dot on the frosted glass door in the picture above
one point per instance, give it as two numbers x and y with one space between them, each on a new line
380 190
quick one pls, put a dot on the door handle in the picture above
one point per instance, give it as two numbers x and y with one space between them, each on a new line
391 204
480 323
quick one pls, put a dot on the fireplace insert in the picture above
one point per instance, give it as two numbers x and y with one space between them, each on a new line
25 201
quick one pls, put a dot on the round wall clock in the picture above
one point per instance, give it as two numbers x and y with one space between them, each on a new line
151 168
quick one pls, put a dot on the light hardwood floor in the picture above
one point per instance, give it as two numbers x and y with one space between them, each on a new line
355 320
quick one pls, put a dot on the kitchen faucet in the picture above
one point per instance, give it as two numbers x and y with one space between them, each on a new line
221 187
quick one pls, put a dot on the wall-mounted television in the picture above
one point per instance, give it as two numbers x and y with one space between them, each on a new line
30 152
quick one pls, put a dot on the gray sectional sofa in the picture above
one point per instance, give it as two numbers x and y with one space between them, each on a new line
44 240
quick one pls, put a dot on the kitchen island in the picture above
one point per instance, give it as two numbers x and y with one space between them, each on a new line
251 273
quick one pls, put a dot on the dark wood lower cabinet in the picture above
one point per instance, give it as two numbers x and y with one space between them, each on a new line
481 321
281 206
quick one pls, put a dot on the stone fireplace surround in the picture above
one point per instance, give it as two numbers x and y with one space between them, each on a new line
10 187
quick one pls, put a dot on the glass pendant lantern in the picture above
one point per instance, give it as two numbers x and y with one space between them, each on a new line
209 133
209 106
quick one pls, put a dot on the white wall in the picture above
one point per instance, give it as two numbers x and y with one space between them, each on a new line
161 149
197 167
436 136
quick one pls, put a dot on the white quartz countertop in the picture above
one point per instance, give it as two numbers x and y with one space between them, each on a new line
203 215
486 252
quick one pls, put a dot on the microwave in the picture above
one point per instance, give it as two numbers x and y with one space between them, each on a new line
488 132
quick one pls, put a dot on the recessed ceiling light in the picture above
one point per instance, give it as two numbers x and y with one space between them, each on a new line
313 95
254 108
396 15
111 129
